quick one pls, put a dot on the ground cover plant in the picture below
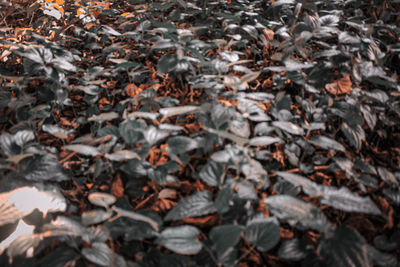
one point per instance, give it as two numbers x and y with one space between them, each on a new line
200 133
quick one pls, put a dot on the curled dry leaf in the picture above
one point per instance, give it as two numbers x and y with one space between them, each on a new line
132 90
340 87
269 34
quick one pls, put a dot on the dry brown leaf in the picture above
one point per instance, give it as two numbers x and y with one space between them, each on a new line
117 188
132 90
340 87
269 34
208 220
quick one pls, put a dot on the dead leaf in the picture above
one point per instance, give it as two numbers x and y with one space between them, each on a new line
132 90
117 188
205 221
340 87
269 34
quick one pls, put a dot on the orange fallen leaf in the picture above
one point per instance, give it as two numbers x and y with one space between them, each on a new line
340 87
132 90
269 34
117 188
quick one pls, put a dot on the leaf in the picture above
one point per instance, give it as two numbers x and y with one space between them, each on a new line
98 253
344 247
11 144
95 216
344 199
268 33
180 239
131 132
101 199
238 139
388 176
288 127
293 249
23 137
167 63
198 204
110 31
345 165
181 144
225 237
355 135
22 244
264 234
340 87
42 168
59 257
174 111
327 143
347 38
102 117
57 131
264 140
153 135
212 173
309 187
240 127
297 212
122 155
249 77
138 217
381 259
83 149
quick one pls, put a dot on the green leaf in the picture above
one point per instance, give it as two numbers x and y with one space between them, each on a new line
59 257
223 198
181 144
355 135
167 63
95 216
264 234
309 187
42 168
57 131
131 131
153 135
98 253
382 259
288 127
12 144
180 239
327 143
238 139
83 150
122 155
102 117
344 199
198 204
225 236
293 249
264 141
297 212
174 111
212 173
344 247
137 216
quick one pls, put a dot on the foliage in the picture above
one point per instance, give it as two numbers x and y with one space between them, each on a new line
199 133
